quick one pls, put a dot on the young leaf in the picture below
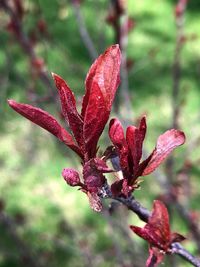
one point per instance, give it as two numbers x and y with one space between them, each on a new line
94 121
166 143
69 110
95 201
105 72
157 230
101 85
46 121
135 138
155 257
116 134
157 233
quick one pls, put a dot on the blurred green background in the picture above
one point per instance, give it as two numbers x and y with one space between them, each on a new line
45 219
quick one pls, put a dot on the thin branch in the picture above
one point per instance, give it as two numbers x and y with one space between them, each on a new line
179 250
144 215
26 45
180 19
83 31
119 20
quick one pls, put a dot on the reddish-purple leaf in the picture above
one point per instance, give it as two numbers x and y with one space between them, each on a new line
157 230
101 166
135 138
46 121
69 110
155 257
158 224
166 143
94 121
175 237
104 72
116 134
101 85
116 187
145 234
71 177
95 201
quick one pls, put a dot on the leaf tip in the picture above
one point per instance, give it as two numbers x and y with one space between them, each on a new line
11 102
55 76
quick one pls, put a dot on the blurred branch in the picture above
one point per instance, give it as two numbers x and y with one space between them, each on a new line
83 30
180 19
144 215
132 204
179 250
170 178
119 20
26 44
118 224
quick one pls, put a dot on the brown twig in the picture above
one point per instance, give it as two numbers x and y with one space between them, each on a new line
118 18
27 46
83 31
144 215
180 19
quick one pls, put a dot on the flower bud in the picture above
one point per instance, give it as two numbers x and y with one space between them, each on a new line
71 177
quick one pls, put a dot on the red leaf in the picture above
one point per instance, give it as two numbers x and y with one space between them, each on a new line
104 72
158 224
69 110
95 201
175 237
116 134
135 138
166 143
46 121
94 121
157 230
116 188
144 233
101 166
101 85
155 257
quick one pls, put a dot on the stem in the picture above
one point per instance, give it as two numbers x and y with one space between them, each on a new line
144 215
27 46
179 250
83 31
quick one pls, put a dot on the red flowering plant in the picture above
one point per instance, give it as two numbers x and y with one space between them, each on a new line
86 128
158 234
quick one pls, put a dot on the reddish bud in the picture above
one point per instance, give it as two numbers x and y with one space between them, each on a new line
180 8
38 64
130 24
42 26
71 177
